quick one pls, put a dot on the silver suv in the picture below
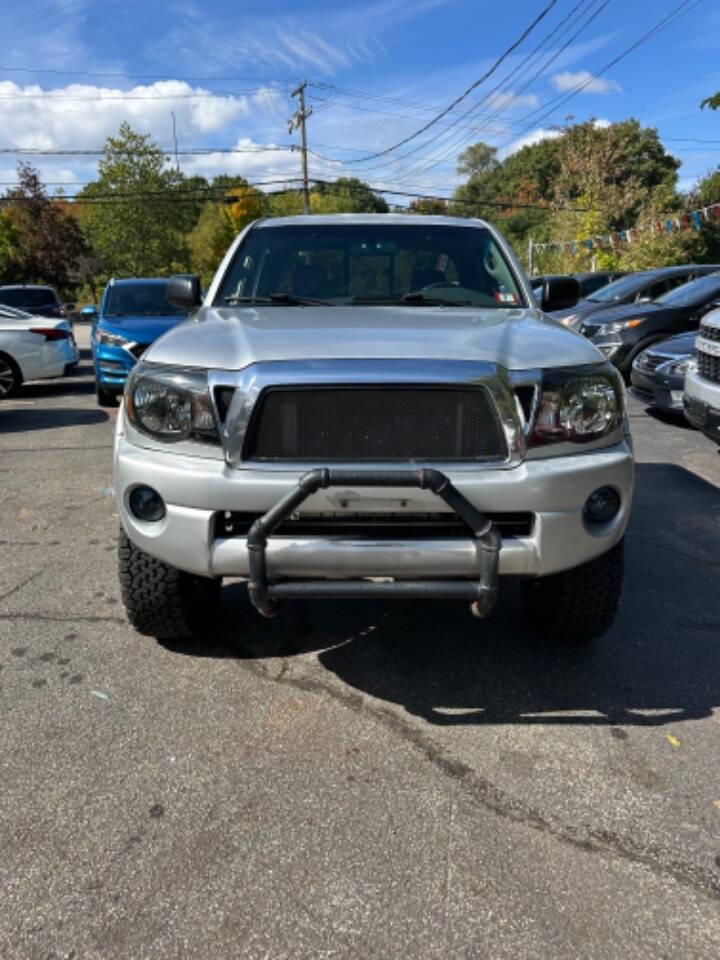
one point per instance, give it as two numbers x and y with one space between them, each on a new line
372 406
701 397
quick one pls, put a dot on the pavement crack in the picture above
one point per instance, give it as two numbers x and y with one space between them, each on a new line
485 793
23 583
55 618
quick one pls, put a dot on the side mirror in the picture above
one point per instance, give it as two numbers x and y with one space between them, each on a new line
559 293
69 307
184 291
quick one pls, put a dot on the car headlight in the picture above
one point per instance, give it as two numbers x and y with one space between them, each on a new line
579 405
680 367
170 403
569 320
618 326
112 339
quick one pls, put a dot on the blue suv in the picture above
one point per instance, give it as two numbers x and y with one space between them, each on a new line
133 313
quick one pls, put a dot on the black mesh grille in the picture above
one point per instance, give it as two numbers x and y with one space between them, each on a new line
375 526
708 367
375 424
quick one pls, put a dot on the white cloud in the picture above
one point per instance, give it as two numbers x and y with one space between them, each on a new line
564 82
529 139
83 115
251 161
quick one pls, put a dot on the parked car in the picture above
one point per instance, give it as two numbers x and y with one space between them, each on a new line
33 348
588 282
658 373
623 332
372 406
702 385
642 287
133 313
42 301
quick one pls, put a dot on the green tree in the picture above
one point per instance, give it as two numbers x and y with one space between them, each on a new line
346 195
429 205
713 102
477 160
134 213
210 239
40 240
8 245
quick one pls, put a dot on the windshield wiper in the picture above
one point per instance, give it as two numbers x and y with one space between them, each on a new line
281 299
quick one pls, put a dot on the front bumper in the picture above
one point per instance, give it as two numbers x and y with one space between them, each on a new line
702 405
195 489
657 390
112 366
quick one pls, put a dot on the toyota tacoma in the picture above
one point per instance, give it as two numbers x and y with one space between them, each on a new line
372 406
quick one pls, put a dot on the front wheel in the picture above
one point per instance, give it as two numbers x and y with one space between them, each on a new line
580 604
160 600
10 377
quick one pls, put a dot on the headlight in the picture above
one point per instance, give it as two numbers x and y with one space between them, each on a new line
568 321
170 403
681 367
619 326
112 339
579 406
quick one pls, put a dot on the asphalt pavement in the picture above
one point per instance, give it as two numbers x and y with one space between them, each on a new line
352 779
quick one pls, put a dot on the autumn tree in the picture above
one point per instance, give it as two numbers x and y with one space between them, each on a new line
41 239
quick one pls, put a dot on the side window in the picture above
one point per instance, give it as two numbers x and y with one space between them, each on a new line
657 289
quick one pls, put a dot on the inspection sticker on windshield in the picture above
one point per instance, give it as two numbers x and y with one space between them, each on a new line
502 297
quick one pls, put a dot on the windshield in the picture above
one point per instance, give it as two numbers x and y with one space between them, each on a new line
23 297
691 294
139 300
346 264
619 289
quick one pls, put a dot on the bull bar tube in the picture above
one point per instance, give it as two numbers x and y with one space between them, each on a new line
481 593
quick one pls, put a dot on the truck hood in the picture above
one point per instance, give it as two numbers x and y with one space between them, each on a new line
232 338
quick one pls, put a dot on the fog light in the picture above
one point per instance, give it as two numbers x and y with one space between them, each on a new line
602 505
147 504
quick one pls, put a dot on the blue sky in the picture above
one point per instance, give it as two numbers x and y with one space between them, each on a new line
72 70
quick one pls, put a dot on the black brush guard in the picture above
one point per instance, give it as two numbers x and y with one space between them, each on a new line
482 593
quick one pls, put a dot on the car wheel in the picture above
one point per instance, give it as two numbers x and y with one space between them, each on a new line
580 604
160 600
105 398
10 376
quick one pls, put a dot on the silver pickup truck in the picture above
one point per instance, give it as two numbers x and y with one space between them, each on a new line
369 406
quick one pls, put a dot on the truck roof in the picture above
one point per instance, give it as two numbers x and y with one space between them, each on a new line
328 219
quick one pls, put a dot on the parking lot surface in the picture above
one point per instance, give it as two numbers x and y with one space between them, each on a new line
352 779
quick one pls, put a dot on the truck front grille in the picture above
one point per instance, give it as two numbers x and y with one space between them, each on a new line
375 526
708 367
709 332
375 424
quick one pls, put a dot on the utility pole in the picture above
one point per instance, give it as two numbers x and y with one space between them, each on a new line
298 120
531 258
177 164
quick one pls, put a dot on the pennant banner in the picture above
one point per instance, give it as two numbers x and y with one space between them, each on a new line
682 222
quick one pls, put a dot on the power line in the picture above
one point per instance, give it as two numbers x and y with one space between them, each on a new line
488 73
99 152
566 96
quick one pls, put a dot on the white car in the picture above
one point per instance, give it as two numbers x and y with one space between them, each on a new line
33 348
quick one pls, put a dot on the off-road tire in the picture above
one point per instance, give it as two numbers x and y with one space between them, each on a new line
580 604
160 600
104 397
